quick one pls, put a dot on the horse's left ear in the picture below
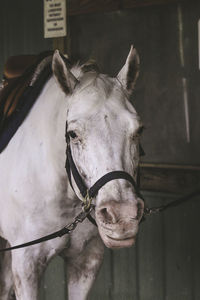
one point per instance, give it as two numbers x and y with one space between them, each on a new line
62 74
130 71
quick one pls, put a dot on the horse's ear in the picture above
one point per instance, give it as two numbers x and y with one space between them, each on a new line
130 71
62 74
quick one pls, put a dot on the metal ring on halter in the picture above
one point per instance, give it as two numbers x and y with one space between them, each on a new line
87 201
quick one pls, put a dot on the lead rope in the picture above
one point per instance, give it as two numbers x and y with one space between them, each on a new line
65 230
158 209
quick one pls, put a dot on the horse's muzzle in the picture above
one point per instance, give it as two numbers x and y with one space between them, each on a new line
118 223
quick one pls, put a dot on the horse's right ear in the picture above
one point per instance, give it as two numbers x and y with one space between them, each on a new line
62 74
130 71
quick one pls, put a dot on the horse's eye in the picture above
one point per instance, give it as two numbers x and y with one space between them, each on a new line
72 134
140 130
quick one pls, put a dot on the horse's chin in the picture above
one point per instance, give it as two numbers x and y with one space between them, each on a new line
114 243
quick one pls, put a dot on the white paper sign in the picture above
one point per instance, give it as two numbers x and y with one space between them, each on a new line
54 18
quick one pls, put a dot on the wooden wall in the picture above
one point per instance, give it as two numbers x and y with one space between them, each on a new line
21 29
162 35
79 7
164 264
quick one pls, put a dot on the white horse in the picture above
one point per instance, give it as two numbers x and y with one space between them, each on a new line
35 195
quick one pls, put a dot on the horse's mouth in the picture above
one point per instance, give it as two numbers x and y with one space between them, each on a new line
115 239
112 242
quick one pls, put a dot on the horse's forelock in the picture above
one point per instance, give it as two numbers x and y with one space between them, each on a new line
79 70
100 83
90 66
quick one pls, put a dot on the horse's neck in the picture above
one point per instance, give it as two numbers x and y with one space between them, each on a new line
46 123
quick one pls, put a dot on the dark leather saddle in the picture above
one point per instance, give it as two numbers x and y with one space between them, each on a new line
15 66
16 90
17 73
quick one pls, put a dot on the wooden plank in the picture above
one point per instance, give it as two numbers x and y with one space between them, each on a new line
60 44
169 178
150 255
42 289
78 7
141 3
103 287
125 274
54 280
193 233
179 251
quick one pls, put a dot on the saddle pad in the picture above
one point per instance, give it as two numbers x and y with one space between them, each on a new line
16 100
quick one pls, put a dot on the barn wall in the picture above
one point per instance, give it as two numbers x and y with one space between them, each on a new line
163 36
21 29
164 264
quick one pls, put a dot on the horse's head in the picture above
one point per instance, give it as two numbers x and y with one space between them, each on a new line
104 131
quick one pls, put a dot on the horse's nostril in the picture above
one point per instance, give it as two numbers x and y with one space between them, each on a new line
107 215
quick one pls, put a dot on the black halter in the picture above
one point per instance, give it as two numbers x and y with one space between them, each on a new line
89 193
